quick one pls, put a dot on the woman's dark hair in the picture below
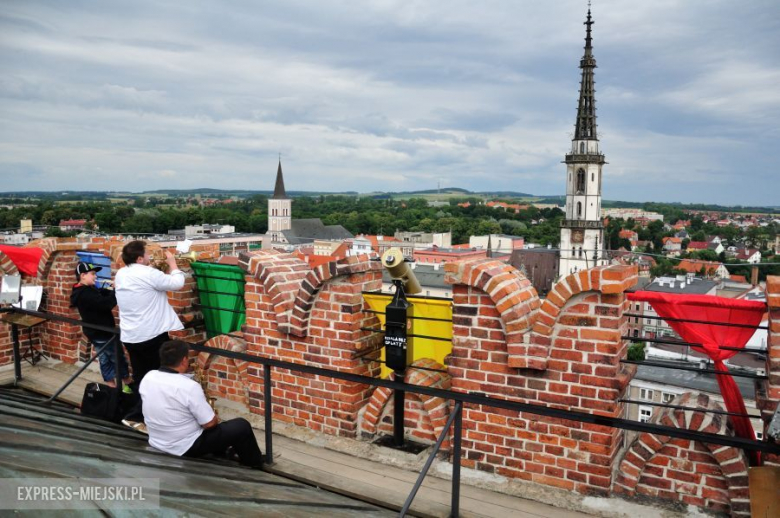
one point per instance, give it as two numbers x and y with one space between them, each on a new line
133 251
172 352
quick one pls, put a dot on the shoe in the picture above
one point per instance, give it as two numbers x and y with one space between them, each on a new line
126 389
137 426
230 454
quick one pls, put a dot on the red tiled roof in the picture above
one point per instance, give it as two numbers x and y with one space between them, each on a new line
692 266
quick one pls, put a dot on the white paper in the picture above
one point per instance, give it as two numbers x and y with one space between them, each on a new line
183 247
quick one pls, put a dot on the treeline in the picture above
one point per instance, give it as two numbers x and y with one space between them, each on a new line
359 215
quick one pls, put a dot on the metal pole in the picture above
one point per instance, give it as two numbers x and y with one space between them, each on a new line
398 412
117 372
81 369
456 459
269 446
17 354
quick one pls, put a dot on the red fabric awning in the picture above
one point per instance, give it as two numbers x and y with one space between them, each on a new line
25 259
713 310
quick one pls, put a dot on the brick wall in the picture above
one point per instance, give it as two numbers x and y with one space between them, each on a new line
705 475
66 342
311 317
768 392
562 353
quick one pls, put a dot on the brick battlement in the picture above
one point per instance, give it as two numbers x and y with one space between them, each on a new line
563 351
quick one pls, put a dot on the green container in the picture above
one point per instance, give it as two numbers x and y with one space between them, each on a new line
221 290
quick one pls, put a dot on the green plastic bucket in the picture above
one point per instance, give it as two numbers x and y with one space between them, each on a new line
221 291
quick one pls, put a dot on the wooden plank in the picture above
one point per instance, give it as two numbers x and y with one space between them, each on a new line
390 486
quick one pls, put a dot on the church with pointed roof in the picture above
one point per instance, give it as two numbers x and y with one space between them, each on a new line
279 209
283 230
582 230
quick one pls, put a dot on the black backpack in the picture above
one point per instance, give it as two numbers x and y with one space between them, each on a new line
104 402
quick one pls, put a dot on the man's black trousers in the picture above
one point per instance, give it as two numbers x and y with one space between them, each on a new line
236 433
144 357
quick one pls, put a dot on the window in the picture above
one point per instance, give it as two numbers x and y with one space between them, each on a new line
645 413
666 397
646 394
759 436
636 335
592 176
580 181
582 147
579 209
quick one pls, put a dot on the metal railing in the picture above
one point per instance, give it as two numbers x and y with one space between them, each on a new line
459 399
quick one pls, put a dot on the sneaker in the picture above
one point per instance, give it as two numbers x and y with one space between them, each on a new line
126 389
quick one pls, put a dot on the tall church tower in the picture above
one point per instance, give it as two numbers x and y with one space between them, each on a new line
279 209
582 231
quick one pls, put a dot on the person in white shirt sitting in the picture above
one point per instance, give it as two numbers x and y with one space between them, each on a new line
145 315
180 420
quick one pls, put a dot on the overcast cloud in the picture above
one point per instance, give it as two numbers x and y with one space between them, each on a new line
389 95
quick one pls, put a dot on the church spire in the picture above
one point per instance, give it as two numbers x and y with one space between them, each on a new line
585 127
279 193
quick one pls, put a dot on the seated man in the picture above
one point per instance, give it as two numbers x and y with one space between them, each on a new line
180 420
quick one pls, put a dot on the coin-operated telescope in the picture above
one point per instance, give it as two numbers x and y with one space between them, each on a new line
399 351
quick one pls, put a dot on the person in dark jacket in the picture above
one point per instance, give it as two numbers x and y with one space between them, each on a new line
95 306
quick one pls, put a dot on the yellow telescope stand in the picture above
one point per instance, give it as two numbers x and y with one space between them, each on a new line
440 325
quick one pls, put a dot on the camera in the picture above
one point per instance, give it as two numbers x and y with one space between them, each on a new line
399 270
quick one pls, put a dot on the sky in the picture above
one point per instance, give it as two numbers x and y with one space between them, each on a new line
389 95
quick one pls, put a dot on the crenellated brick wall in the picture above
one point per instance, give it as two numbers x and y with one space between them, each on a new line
311 317
569 348
563 351
65 342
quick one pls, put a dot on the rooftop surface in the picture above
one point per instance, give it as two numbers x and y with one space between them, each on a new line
361 479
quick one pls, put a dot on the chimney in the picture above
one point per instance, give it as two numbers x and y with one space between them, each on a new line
754 276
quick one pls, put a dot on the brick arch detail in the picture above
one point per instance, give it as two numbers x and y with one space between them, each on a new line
228 343
437 409
7 267
49 245
732 462
293 286
607 280
515 298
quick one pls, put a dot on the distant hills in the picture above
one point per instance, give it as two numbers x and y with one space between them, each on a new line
449 192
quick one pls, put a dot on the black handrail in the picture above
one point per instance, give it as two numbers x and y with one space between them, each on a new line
459 398
696 369
482 400
221 293
214 308
455 414
669 319
375 312
200 276
690 344
679 407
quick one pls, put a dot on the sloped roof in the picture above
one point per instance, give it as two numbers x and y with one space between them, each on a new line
691 266
279 192
307 230
57 442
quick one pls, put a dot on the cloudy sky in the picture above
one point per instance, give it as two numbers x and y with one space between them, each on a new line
389 95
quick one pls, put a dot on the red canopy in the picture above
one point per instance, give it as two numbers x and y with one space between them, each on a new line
25 259
712 310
